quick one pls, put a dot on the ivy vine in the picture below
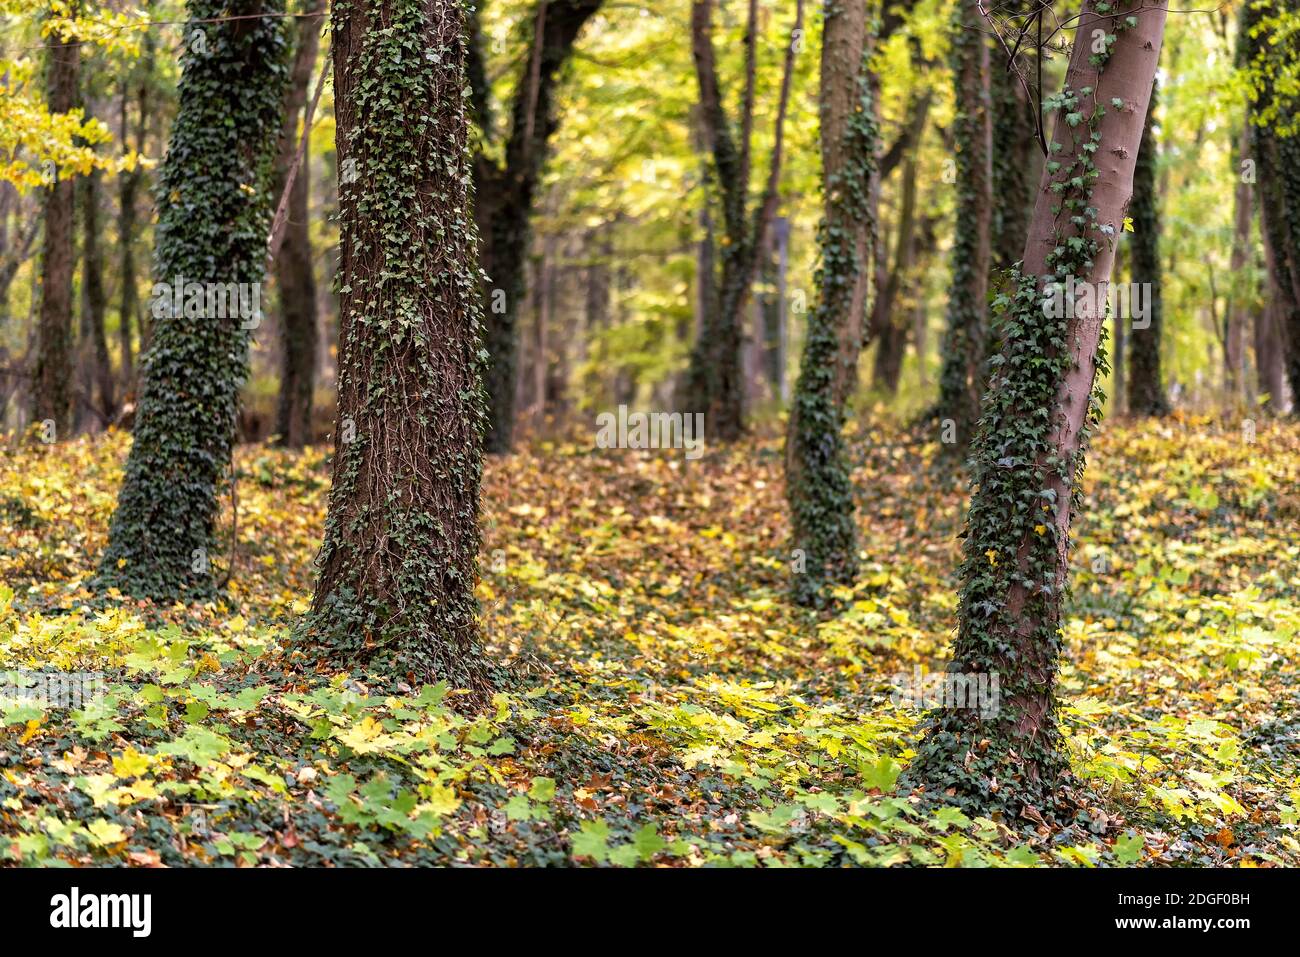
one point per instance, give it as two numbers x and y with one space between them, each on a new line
1014 757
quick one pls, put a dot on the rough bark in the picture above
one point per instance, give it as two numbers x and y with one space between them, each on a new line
213 215
399 560
52 377
95 361
889 324
1238 317
1016 161
962 381
294 275
1028 452
1146 389
129 183
818 486
505 195
714 382
1278 181
1270 356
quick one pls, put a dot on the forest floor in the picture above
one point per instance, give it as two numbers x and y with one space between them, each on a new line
669 706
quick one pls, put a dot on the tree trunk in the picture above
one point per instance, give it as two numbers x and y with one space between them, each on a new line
1016 160
299 330
52 379
889 323
128 309
1006 752
1278 178
1118 349
129 183
714 382
962 381
214 212
94 342
504 197
400 559
1270 364
818 486
1146 389
1238 315
780 381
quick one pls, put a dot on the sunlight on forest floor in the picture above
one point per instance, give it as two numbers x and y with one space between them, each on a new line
670 706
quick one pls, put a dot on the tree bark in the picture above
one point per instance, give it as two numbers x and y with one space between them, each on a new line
1028 453
129 183
214 211
1238 314
399 562
714 382
52 378
294 275
504 198
889 324
1270 356
96 362
818 486
1146 389
1278 179
962 381
1016 163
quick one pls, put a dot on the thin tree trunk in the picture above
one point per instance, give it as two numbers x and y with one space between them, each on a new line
1238 316
129 183
1270 364
780 381
1278 179
1028 454
399 562
504 197
714 383
94 345
889 322
299 323
1017 161
1146 388
52 378
962 381
1119 349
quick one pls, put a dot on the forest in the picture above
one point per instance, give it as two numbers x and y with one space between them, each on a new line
649 434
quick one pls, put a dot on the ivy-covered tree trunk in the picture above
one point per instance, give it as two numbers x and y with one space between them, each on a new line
299 334
962 379
818 485
1146 389
1278 181
52 378
1006 751
213 217
399 560
505 193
